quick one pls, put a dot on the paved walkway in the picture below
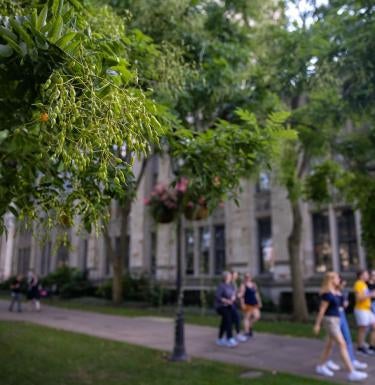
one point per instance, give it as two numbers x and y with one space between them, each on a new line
264 351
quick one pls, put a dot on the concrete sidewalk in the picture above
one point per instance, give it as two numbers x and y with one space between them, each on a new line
264 351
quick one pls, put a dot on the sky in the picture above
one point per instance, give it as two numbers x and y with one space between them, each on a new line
294 10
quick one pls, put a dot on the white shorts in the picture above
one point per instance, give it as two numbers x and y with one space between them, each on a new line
364 317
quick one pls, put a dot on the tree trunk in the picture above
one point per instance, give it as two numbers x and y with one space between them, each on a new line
300 312
118 258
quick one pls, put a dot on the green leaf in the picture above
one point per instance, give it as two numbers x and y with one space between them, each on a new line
3 135
6 32
57 27
66 39
76 4
14 45
42 18
13 210
57 7
23 34
5 51
72 45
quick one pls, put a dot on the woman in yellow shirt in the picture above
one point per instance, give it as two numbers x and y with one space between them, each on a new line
364 317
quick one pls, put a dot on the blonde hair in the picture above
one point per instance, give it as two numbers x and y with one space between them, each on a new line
327 284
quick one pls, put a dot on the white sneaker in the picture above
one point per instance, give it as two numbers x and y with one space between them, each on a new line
232 343
332 365
241 338
357 376
359 365
221 342
324 371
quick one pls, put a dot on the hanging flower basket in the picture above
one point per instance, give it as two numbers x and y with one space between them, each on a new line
202 213
163 203
189 213
196 213
163 214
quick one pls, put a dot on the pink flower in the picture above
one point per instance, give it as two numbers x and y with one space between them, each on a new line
190 204
182 184
146 201
159 188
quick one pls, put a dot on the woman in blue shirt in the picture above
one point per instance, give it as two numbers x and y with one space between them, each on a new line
329 315
224 298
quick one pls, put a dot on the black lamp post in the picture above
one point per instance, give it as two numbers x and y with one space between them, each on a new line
179 351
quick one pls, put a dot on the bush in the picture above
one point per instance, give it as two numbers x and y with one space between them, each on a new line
5 285
140 289
68 282
286 302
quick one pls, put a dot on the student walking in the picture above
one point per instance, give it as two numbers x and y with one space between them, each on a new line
344 326
364 317
250 303
329 315
236 318
33 295
224 299
15 293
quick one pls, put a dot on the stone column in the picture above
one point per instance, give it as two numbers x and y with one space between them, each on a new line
75 243
239 248
281 227
92 256
137 226
166 234
7 246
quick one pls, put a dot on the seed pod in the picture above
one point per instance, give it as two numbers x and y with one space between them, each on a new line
43 117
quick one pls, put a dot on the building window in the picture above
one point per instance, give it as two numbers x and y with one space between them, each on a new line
322 242
23 260
265 246
264 182
45 258
204 249
189 251
347 240
62 256
219 249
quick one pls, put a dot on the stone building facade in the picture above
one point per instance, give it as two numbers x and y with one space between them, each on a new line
249 237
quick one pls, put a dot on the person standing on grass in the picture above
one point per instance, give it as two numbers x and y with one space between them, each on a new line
250 303
236 318
364 317
15 293
224 298
329 315
345 330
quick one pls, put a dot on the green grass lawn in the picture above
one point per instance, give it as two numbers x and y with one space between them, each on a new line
34 355
192 316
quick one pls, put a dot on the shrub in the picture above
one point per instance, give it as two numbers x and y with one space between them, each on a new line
68 282
140 289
